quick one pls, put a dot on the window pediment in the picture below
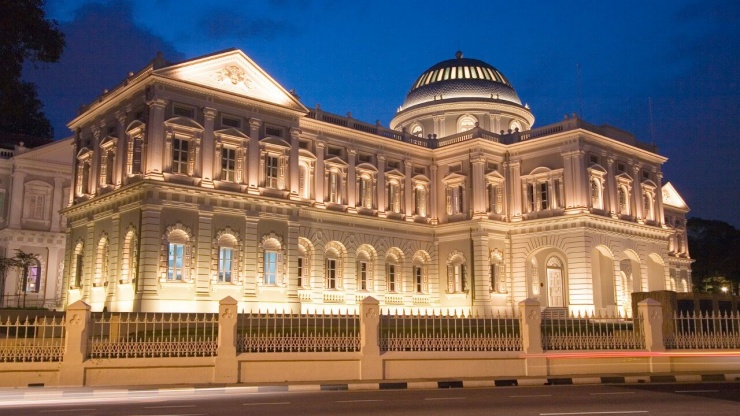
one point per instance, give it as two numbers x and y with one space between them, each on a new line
306 154
84 153
135 127
231 133
336 162
597 169
494 177
454 179
275 142
366 167
394 173
183 123
624 178
421 179
108 141
648 184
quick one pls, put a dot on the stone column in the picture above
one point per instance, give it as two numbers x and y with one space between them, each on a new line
371 365
253 155
293 170
203 255
479 188
154 163
481 272
320 174
515 191
56 205
226 368
433 202
77 322
408 191
209 158
351 181
16 199
659 214
637 195
611 184
381 186
119 171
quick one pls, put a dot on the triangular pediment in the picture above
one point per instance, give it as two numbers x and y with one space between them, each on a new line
58 152
234 72
672 198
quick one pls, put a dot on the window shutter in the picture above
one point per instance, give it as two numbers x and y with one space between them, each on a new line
280 269
281 172
463 278
448 197
188 254
450 279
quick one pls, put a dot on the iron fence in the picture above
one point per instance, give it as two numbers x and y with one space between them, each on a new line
31 339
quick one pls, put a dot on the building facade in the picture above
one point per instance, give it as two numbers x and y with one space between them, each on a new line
206 179
35 185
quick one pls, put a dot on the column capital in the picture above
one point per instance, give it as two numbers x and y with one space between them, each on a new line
295 132
433 168
320 144
408 163
381 157
255 123
351 152
156 102
120 117
209 113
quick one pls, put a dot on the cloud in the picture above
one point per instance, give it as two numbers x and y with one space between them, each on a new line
103 45
225 24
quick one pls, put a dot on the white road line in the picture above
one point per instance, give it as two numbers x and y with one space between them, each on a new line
66 410
624 412
533 395
357 401
616 392
445 398
265 403
696 391
169 407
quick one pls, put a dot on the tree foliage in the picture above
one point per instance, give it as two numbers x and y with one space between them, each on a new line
26 36
716 247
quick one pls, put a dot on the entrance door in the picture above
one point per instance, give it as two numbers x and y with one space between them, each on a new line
555 288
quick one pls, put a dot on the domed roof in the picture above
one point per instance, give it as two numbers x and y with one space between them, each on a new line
460 78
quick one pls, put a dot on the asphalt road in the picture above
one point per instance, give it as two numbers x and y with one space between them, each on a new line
715 399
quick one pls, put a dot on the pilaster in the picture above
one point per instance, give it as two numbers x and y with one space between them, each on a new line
150 243
481 272
637 194
208 148
351 181
408 190
293 170
120 166
515 191
478 191
204 250
320 174
16 199
253 155
611 181
433 190
381 186
155 140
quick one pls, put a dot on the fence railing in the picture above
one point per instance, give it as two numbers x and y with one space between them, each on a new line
705 330
30 302
133 335
591 331
438 332
31 339
273 332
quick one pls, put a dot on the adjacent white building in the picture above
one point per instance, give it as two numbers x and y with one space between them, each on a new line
205 179
34 187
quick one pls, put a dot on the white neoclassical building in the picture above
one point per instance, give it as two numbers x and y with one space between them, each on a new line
35 185
205 179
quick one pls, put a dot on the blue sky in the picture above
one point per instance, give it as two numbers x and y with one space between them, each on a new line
361 57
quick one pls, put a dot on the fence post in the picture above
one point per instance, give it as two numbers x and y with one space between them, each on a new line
227 367
651 313
371 365
530 318
76 325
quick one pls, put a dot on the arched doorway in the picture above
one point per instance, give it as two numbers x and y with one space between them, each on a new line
602 273
555 298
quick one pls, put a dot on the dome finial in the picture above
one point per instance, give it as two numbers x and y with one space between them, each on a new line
458 54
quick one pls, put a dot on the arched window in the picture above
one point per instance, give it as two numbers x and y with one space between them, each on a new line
304 181
178 241
273 261
129 256
33 276
416 130
226 245
364 271
515 125
101 262
466 123
421 278
393 266
456 273
78 271
420 200
623 199
496 277
555 282
366 191
303 271
333 266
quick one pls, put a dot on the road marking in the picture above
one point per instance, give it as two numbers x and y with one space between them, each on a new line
357 401
533 395
696 391
168 407
66 410
445 398
617 392
264 403
623 412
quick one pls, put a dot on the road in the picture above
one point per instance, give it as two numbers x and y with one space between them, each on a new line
717 399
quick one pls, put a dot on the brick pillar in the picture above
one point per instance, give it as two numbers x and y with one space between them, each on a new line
227 367
77 321
371 365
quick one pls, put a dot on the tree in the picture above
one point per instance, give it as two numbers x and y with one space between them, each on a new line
716 247
26 36
23 262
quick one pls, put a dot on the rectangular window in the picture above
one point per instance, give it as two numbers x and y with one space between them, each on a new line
392 287
270 267
299 272
334 151
331 273
543 196
271 171
228 164
225 262
33 279
334 187
362 268
180 156
176 262
419 282
273 131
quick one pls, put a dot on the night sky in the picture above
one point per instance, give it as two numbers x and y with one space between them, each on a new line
362 57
